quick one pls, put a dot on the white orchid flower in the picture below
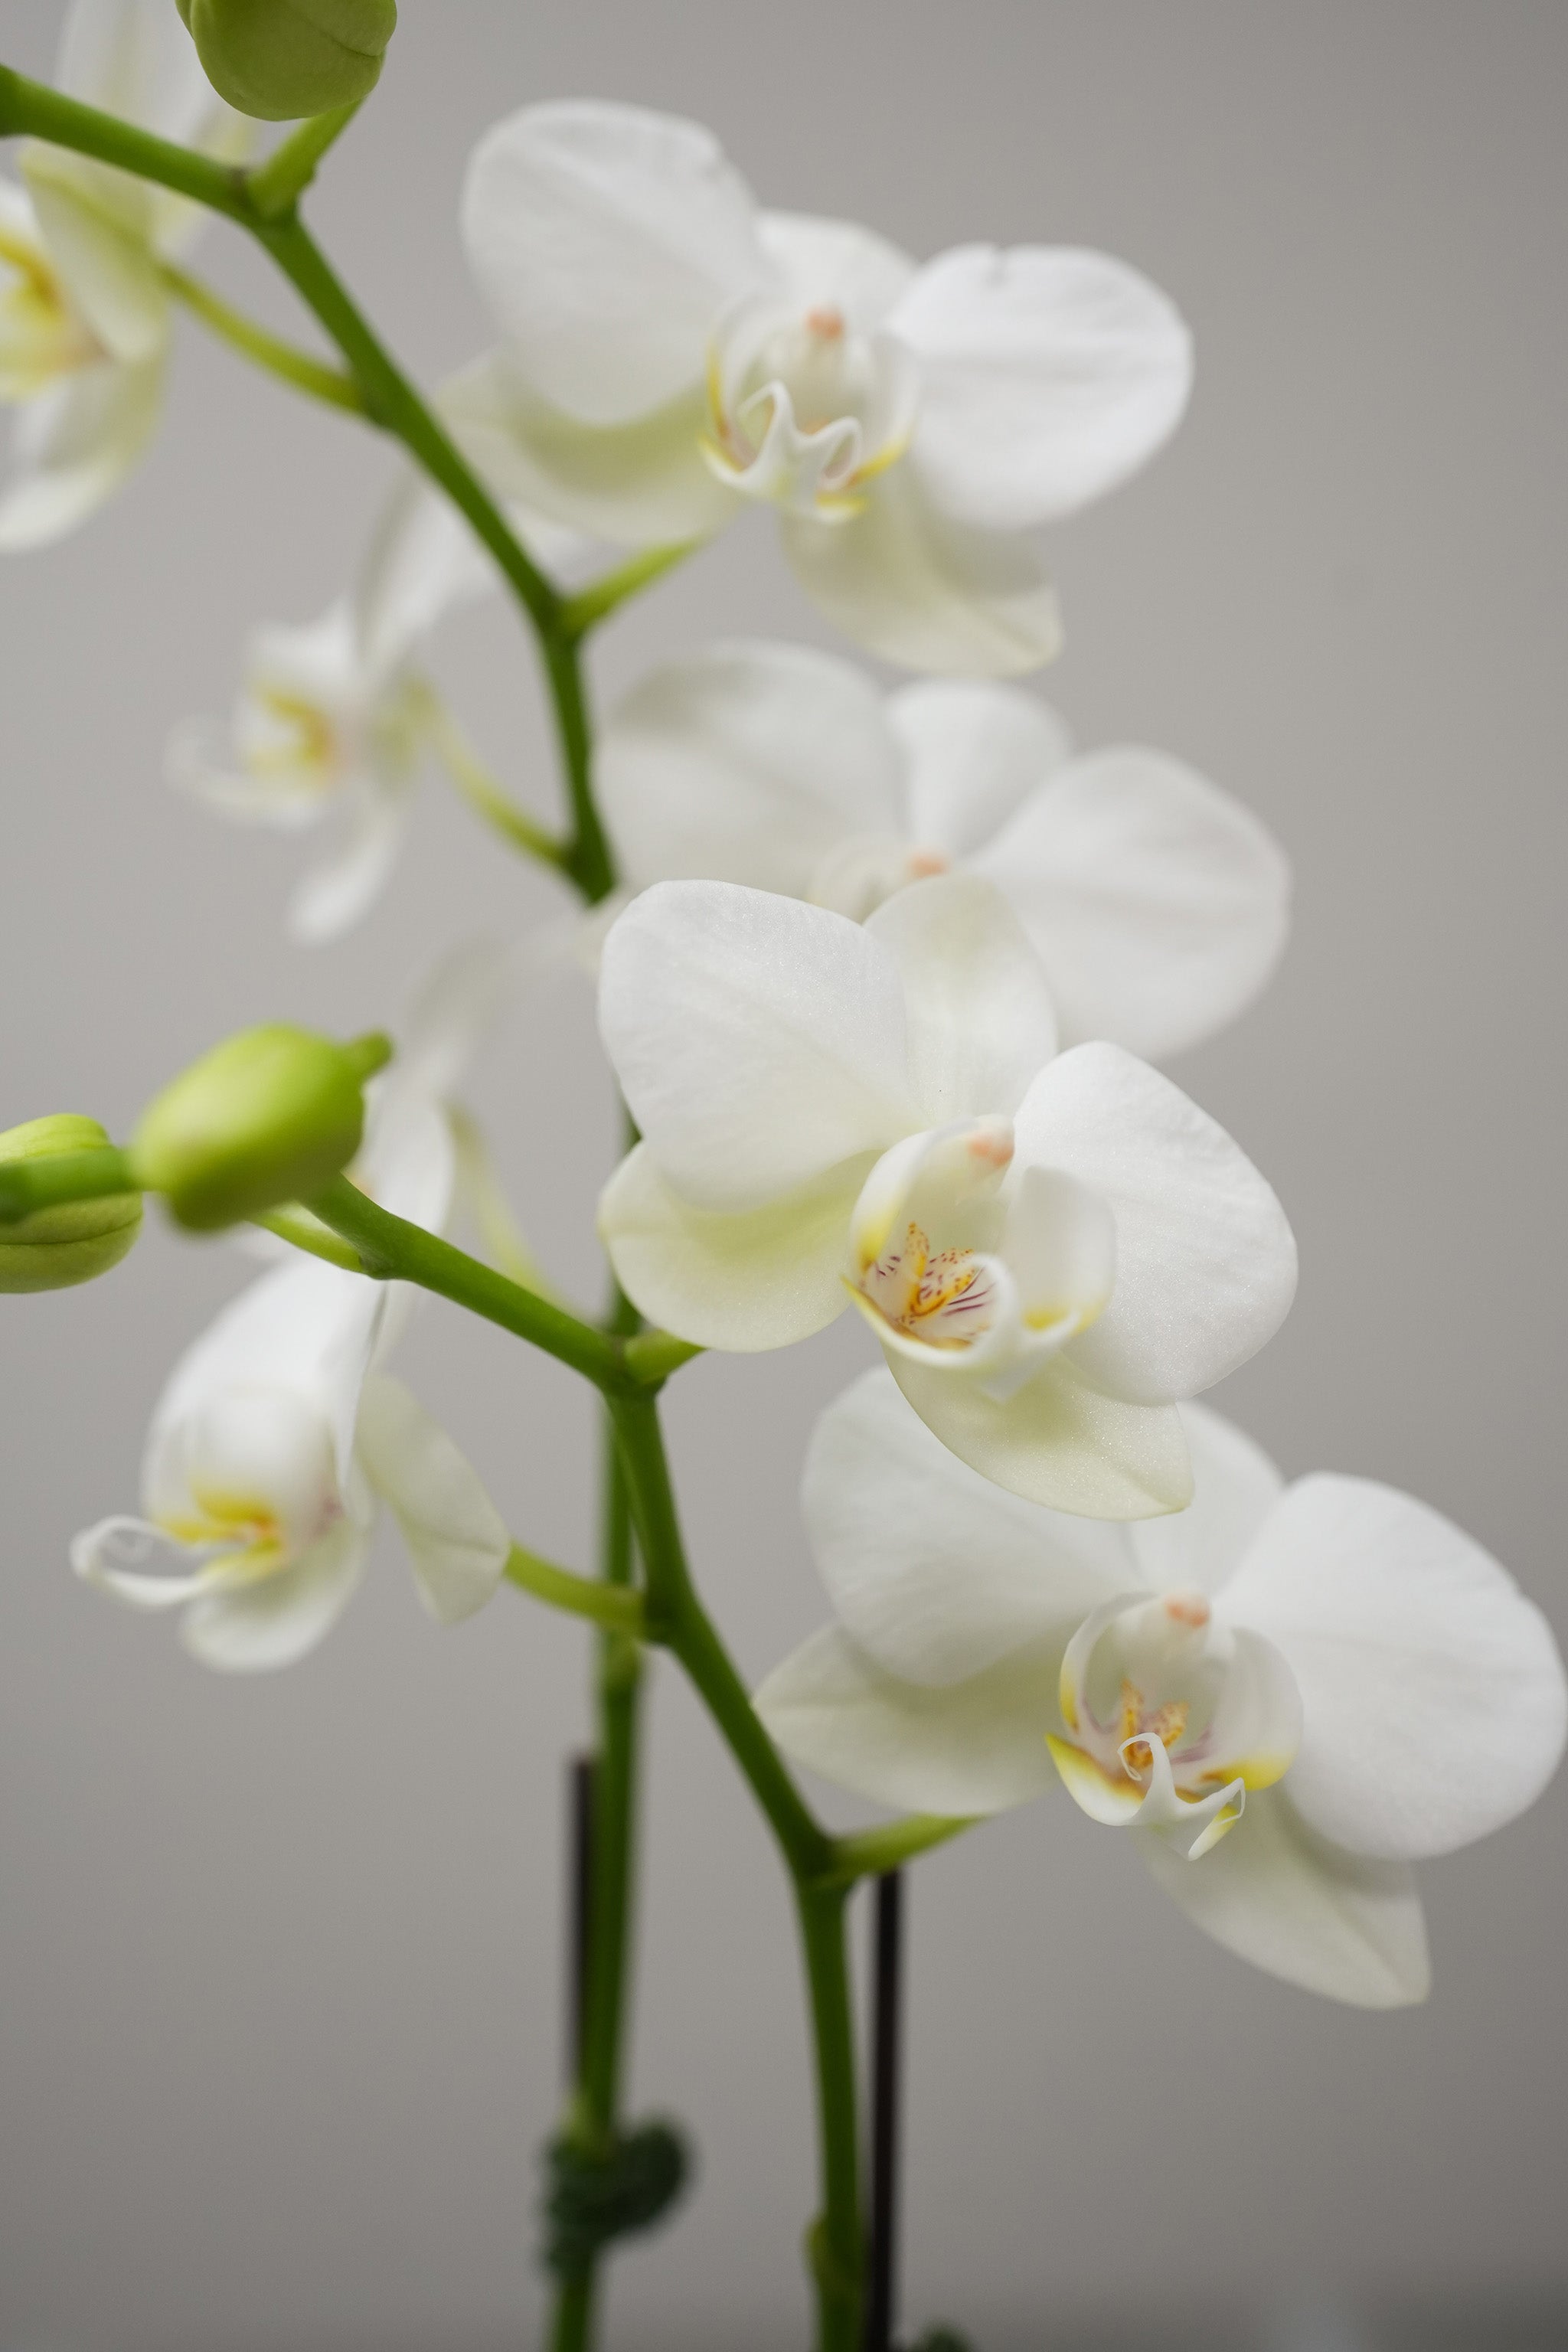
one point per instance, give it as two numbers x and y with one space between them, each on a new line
1288 1694
84 308
1052 1250
1157 904
336 720
277 1430
669 352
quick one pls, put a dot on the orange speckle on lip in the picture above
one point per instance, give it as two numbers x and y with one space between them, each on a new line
923 863
828 324
1187 1608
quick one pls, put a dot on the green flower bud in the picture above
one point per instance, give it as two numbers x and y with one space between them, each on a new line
268 1117
279 59
77 1240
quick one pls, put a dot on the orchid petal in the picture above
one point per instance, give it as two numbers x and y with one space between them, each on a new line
316 662
1059 1245
454 1011
1277 1894
422 562
117 1556
981 1022
640 484
1434 1691
456 1537
303 1328
1205 1264
200 761
935 1572
409 1164
1058 1441
255 1454
255 1628
1049 374
73 447
973 752
923 589
333 895
607 240
759 1042
1158 904
1235 1487
972 1747
105 265
745 763
763 1278
831 264
134 59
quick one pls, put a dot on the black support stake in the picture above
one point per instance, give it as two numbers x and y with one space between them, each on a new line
887 2051
580 1863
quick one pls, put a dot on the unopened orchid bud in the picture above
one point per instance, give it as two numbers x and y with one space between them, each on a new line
268 1117
74 1241
279 59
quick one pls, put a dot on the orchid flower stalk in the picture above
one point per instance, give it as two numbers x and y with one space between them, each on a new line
881 980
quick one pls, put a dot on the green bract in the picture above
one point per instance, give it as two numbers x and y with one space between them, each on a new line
279 59
267 1116
73 1243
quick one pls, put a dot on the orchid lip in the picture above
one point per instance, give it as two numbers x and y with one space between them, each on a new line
1170 1716
804 411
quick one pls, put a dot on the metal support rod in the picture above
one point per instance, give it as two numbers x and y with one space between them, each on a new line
887 2052
580 1814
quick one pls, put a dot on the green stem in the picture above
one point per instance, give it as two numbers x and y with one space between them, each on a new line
652 1356
280 359
395 406
868 1853
32 107
591 606
588 858
389 399
595 2109
479 788
836 2248
388 1246
576 2308
279 183
615 1810
301 1231
481 1192
602 1603
393 1249
676 1617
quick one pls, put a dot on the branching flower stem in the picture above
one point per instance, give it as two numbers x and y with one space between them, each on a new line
295 368
601 1602
627 1369
676 1617
822 1869
484 795
263 203
595 2113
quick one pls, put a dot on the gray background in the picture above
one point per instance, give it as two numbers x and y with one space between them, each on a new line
279 1960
